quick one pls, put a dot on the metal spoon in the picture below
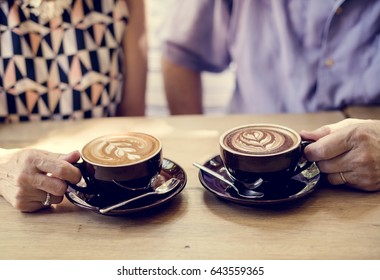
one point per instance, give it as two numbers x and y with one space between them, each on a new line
162 189
77 199
247 193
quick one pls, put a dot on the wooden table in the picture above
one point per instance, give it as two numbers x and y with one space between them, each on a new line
363 112
332 223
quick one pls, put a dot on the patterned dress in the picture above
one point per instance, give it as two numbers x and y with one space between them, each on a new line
67 68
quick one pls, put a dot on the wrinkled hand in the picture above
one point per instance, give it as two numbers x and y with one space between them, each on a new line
350 147
24 182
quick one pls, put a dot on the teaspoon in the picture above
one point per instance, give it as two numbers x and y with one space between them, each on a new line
79 200
162 189
247 193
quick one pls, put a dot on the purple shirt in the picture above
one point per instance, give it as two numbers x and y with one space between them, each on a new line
289 55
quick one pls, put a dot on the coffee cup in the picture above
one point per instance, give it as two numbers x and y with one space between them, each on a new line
115 165
267 151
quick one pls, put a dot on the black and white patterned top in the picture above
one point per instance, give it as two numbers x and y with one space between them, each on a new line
67 68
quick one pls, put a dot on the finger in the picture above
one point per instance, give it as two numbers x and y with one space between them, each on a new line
355 174
351 179
354 179
340 178
45 183
33 194
335 165
315 134
28 201
328 147
54 164
71 157
328 129
51 199
30 206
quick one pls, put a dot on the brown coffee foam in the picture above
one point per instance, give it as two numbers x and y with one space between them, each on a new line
119 150
260 140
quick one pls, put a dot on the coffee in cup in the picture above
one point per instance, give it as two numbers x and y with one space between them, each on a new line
115 164
267 151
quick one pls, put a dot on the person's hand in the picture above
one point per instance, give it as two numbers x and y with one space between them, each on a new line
29 177
348 152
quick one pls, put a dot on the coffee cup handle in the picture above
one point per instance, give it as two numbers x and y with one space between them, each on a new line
89 188
303 163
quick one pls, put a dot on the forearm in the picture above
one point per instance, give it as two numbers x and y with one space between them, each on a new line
133 101
183 88
135 61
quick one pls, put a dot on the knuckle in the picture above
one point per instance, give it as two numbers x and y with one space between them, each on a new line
60 169
59 199
315 152
21 201
32 158
321 151
22 206
331 180
360 135
22 179
322 166
36 181
365 159
59 188
368 181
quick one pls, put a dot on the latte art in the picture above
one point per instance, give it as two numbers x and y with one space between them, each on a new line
130 149
259 140
121 149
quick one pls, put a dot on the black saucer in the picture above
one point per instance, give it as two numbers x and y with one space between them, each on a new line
294 189
169 170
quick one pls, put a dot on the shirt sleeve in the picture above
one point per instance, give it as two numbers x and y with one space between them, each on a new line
196 35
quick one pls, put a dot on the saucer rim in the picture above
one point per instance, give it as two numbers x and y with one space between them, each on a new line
258 201
157 202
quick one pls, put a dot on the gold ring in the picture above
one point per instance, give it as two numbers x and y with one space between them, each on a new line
342 177
47 200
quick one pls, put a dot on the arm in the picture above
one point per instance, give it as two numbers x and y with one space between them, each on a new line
350 147
195 40
183 88
135 61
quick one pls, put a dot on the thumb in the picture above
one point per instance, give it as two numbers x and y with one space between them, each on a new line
315 134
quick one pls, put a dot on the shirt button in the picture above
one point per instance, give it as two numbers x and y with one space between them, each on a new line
329 62
339 11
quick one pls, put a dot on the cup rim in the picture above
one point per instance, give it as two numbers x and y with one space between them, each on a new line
221 142
119 135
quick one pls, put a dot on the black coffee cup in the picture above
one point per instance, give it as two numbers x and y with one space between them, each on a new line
262 151
115 165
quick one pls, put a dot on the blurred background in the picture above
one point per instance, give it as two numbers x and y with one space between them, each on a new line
217 87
